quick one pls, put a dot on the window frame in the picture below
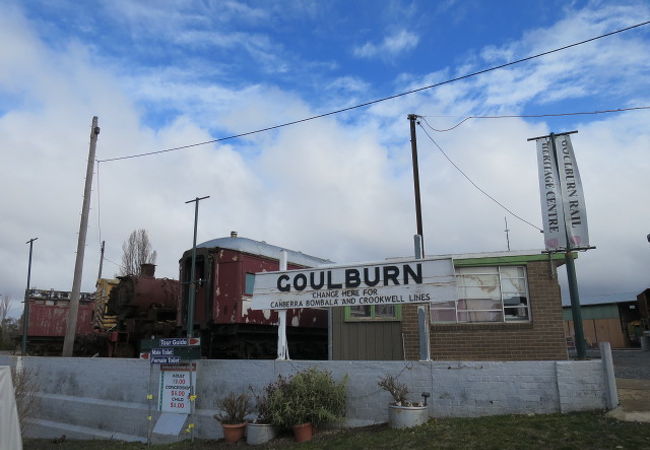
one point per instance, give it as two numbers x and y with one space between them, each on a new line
246 278
348 317
502 310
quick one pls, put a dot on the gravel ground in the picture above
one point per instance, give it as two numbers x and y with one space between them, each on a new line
629 363
632 363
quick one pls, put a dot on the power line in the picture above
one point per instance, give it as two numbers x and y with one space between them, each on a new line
510 116
472 182
112 262
379 100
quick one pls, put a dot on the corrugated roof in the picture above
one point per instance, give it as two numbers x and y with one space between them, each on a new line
587 300
261 248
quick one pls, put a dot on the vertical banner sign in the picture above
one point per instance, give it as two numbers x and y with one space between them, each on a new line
575 214
561 196
550 196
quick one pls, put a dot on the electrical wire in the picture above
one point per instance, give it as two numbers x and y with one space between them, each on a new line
510 116
474 184
112 262
379 100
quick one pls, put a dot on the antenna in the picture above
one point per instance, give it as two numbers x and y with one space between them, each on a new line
507 231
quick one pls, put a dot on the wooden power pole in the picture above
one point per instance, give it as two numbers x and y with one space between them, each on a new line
68 342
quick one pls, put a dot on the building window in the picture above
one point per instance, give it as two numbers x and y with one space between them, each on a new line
373 312
486 294
250 284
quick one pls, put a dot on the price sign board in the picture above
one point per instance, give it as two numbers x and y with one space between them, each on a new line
176 386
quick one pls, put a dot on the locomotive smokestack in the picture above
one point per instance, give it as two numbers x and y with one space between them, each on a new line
147 270
233 234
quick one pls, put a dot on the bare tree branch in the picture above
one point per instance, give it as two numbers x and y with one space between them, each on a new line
136 251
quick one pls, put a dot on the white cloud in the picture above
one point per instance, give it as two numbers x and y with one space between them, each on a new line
333 188
392 45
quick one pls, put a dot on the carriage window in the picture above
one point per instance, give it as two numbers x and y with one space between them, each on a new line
250 284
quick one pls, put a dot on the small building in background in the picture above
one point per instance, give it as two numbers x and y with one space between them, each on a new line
608 319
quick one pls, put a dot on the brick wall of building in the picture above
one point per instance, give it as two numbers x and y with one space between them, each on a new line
541 339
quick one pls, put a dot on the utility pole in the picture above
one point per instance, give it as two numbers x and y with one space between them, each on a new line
23 347
68 342
101 261
423 310
416 179
190 303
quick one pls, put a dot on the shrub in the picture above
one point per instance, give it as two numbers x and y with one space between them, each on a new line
234 409
25 389
262 400
397 390
311 395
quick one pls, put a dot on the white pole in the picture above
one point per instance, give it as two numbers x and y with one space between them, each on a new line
283 347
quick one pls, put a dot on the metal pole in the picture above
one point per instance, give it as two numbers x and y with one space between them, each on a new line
68 342
507 230
101 261
23 347
423 311
190 303
283 345
416 178
581 347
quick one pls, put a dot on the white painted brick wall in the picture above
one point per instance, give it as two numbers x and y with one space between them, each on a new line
458 388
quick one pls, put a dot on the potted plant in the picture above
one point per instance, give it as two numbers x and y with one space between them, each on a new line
309 398
261 430
403 413
234 409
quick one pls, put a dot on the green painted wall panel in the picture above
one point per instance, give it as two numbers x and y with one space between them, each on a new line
594 312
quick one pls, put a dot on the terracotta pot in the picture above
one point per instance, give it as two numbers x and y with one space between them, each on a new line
233 433
303 432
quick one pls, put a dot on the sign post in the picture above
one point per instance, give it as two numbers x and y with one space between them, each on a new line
177 381
564 213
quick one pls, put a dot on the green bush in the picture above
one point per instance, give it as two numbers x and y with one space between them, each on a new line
311 395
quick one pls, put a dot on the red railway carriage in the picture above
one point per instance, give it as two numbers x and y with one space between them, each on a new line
225 274
48 319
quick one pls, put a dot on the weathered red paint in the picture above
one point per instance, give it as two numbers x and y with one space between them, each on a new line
50 320
144 293
226 302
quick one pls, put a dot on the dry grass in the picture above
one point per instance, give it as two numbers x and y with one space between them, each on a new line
25 389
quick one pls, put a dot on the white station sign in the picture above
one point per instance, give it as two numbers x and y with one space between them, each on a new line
384 283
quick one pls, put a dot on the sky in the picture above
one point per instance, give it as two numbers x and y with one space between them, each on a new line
161 74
